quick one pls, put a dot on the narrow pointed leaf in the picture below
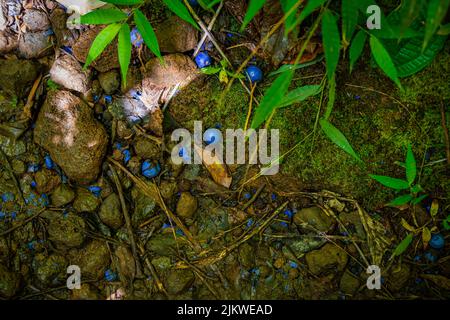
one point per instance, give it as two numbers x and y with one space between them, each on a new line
124 2
384 61
272 98
102 40
437 9
124 50
411 169
418 199
403 245
357 48
299 94
401 200
393 183
331 97
103 16
253 8
350 12
309 8
331 42
287 5
177 7
335 135
147 32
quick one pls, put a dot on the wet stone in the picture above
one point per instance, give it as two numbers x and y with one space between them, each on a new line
92 259
175 35
313 217
146 149
327 258
34 45
62 195
35 20
110 212
66 128
85 201
109 81
178 281
67 230
187 205
50 270
86 292
349 284
12 148
125 264
68 72
46 180
16 76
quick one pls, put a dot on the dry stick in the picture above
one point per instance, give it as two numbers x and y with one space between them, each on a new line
29 104
444 127
255 196
159 284
127 220
210 26
22 224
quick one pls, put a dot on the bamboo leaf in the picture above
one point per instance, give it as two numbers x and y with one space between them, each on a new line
331 43
272 98
384 61
124 2
124 51
177 7
298 95
393 183
401 200
147 32
310 7
407 226
335 135
418 200
286 6
426 236
411 169
357 48
253 8
103 16
408 12
403 245
437 9
287 67
349 12
331 97
101 42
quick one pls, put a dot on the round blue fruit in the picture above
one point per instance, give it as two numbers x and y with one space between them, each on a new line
212 136
254 73
48 162
136 38
193 3
203 60
437 241
95 190
150 170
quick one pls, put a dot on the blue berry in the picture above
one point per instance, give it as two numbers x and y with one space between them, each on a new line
254 73
184 154
48 162
126 156
136 38
203 60
249 222
8 196
95 190
2 215
430 257
67 49
108 99
247 195
283 224
33 184
273 196
437 241
150 170
110 275
33 167
49 32
193 3
212 136
288 213
179 232
43 200
293 264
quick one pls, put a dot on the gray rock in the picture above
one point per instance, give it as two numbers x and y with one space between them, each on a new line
77 142
46 180
175 35
126 264
50 270
146 149
110 212
92 259
66 230
12 148
328 258
178 281
68 72
62 195
187 205
85 201
349 284
8 42
313 217
16 76
34 45
35 20
109 81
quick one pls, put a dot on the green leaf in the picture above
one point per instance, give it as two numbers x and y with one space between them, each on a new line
409 11
124 2
409 58
293 67
384 60
446 223
444 30
272 98
286 6
147 32
299 94
310 7
403 245
253 7
411 169
335 135
419 199
101 42
177 7
331 97
103 16
350 12
331 42
124 51
357 47
393 183
437 9
210 70
401 200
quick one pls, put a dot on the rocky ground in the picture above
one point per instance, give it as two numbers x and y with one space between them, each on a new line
72 145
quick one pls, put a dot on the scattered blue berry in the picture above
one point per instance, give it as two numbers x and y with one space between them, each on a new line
108 99
254 73
212 136
49 32
293 264
48 162
136 38
203 60
247 195
283 224
33 167
43 200
437 241
8 196
193 3
110 275
288 213
273 196
249 222
67 49
430 257
95 190
126 156
150 170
